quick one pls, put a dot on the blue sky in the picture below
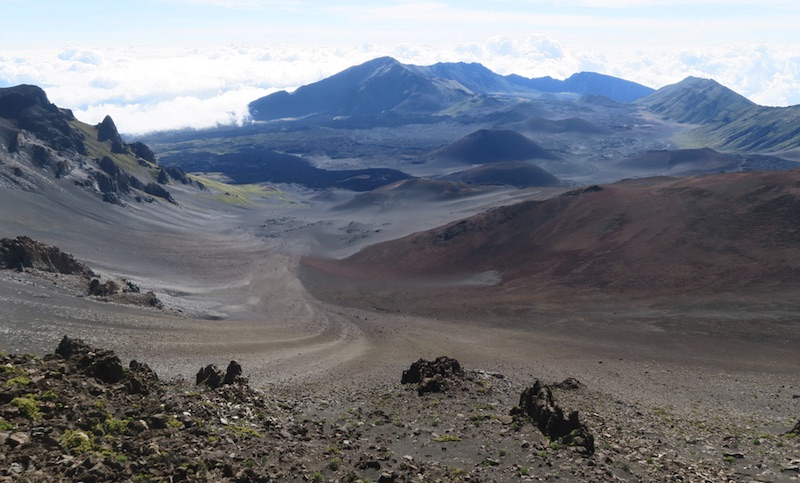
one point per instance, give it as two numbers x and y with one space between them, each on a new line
158 64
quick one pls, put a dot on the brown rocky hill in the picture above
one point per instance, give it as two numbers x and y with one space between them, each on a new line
728 233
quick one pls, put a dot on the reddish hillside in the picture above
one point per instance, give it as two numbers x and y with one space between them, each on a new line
727 233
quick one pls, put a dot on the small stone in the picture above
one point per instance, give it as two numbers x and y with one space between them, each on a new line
138 426
15 468
18 439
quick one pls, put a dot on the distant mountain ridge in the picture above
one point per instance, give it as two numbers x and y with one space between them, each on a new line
384 86
727 120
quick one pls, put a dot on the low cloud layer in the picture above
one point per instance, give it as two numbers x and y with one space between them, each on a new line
155 89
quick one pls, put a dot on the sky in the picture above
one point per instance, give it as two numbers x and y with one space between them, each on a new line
171 64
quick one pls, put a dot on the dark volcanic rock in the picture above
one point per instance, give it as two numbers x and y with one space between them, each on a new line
121 179
159 191
443 366
28 253
233 375
538 403
15 100
162 177
142 380
431 376
177 174
107 131
210 375
143 151
105 183
102 364
213 377
28 107
104 289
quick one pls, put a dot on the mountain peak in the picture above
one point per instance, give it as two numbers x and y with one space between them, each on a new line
107 131
697 100
14 100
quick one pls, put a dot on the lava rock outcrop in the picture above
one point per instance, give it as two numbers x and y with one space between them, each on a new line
24 252
538 403
432 376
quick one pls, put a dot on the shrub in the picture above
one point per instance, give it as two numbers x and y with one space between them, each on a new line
19 381
27 407
334 464
77 441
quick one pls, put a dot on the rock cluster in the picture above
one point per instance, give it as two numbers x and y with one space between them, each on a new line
212 377
432 376
101 364
62 420
30 109
44 137
538 403
24 252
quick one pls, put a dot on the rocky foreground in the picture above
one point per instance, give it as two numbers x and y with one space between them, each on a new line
80 415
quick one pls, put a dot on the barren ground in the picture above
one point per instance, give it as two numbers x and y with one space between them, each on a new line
230 294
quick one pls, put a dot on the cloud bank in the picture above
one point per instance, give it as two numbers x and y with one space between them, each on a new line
155 89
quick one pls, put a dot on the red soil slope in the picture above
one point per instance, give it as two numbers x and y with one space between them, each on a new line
728 233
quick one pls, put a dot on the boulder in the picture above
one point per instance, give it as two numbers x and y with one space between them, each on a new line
159 191
119 177
233 375
162 177
211 376
103 289
101 364
143 380
178 174
443 365
143 151
538 403
431 376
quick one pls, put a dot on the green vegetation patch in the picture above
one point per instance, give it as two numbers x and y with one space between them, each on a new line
19 381
240 194
447 438
334 464
77 441
28 407
6 426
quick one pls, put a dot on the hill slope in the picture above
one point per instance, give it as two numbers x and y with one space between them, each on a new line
375 87
43 146
726 120
492 146
654 236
